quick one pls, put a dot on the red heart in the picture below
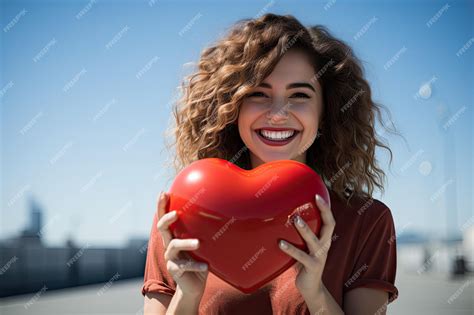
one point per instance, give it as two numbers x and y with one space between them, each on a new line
239 216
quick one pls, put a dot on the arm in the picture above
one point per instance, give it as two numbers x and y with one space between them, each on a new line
323 303
156 303
361 301
161 304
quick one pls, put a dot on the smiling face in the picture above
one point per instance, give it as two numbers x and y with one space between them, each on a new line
279 119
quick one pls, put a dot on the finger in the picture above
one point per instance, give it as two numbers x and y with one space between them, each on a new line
176 245
296 253
178 267
162 203
329 222
163 226
307 234
165 219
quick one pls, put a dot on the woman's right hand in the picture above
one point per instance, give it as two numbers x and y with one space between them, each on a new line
190 276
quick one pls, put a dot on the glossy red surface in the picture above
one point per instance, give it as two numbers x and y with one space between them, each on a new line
239 216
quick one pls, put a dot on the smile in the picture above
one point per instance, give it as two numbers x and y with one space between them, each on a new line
277 136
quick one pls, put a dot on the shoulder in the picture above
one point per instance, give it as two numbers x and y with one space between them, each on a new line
365 213
374 211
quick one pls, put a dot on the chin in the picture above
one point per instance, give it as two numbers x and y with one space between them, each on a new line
275 157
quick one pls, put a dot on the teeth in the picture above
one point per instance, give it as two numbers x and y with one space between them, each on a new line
277 135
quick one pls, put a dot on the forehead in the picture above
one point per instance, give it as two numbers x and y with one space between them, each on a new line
294 66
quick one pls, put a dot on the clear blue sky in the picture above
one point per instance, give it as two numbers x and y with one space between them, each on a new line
71 102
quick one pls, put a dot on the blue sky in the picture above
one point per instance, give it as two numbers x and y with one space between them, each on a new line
85 89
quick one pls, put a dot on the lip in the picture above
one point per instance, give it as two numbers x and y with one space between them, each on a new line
277 129
276 143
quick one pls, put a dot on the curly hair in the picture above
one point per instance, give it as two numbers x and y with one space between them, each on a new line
206 114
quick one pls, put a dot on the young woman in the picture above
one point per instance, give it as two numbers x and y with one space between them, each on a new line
273 89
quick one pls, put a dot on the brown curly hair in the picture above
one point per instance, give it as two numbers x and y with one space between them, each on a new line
206 114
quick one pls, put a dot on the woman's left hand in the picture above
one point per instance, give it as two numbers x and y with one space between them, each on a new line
311 266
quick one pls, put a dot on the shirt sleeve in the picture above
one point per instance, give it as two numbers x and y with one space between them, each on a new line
157 279
376 260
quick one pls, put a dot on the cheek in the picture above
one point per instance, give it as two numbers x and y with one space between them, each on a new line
248 114
308 118
244 121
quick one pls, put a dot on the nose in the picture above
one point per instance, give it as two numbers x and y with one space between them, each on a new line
278 114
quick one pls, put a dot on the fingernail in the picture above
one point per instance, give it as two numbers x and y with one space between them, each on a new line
299 221
194 242
320 199
283 245
203 267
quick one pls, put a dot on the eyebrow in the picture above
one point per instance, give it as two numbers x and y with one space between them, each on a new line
291 85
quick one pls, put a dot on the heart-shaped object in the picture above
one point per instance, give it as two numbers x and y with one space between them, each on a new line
239 216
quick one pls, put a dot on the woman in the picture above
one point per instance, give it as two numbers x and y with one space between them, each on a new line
273 89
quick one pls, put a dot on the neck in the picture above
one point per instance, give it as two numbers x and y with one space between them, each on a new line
255 161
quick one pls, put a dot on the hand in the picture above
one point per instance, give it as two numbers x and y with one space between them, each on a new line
190 276
311 266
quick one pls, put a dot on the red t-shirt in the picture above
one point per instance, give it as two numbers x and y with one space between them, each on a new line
362 254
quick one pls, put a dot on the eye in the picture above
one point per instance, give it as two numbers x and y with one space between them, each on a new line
257 94
300 95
